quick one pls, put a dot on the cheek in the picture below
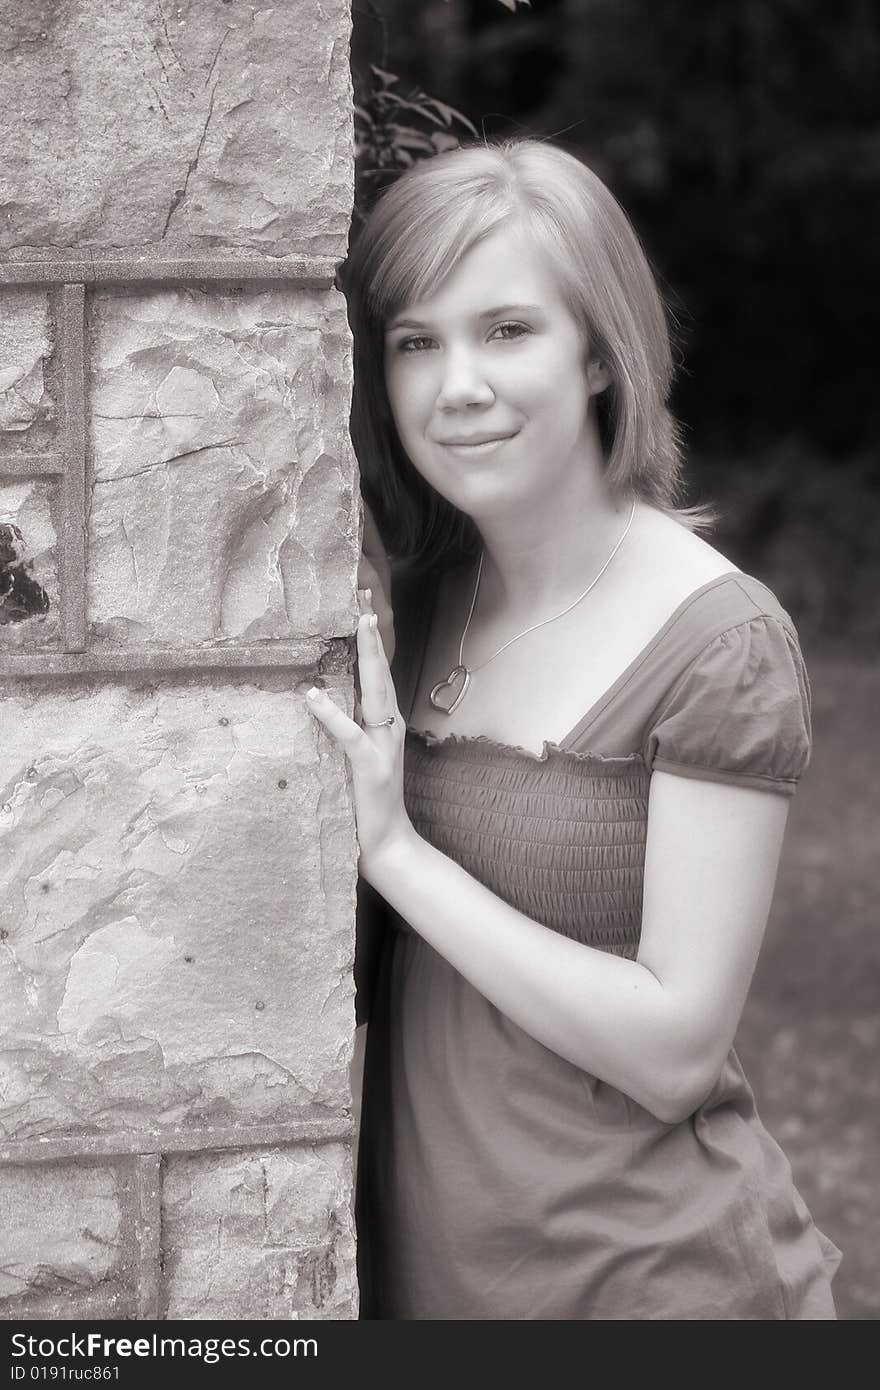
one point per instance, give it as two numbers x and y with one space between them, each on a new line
550 377
392 389
554 392
410 395
407 413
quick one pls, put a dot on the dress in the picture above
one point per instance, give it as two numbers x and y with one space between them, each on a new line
497 1180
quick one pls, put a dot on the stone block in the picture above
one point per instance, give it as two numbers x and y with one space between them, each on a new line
63 1238
176 925
26 345
223 496
29 606
193 124
267 1236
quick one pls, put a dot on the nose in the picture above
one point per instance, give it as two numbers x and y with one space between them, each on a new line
464 382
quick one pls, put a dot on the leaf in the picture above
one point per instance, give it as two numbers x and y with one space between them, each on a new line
387 79
444 114
420 108
449 114
441 141
410 139
409 105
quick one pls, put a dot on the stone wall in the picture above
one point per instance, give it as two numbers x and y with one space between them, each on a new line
179 537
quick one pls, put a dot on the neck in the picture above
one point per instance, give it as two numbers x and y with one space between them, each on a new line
533 563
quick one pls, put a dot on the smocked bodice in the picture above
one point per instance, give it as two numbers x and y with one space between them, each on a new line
561 837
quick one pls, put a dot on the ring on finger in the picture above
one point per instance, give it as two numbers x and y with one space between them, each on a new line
381 723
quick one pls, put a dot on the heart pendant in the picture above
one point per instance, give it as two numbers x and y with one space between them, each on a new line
456 683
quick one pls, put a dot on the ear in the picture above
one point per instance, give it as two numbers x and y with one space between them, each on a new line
598 376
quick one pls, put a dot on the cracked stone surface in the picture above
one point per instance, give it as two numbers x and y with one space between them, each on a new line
177 923
28 565
266 1236
62 1229
193 124
222 506
177 852
26 345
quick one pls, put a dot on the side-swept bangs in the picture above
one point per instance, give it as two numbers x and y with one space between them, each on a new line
426 233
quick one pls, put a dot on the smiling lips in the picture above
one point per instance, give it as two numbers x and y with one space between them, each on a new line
477 441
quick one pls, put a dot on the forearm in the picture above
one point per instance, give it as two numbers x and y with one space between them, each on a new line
608 1015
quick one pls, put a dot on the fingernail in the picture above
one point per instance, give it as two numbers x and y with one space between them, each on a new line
374 622
313 694
368 595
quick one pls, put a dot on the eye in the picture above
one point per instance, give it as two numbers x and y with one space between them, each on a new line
509 332
419 343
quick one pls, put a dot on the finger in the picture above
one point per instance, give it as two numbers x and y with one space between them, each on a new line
384 668
364 599
338 725
372 669
390 692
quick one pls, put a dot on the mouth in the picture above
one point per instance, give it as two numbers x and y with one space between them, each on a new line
476 444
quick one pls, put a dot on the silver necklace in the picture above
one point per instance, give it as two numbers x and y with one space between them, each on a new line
459 678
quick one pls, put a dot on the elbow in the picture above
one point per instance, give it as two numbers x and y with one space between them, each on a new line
679 1093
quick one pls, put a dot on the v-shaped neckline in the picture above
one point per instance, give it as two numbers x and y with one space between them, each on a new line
599 706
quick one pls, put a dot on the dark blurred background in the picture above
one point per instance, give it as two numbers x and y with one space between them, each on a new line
743 137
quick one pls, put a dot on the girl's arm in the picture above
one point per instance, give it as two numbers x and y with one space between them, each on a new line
657 1028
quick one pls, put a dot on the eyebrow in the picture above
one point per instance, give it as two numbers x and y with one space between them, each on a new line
496 312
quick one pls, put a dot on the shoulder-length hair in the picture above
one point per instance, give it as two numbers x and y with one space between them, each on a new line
415 236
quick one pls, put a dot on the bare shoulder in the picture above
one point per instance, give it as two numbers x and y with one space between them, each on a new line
670 560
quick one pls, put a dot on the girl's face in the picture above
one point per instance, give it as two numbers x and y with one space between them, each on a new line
489 382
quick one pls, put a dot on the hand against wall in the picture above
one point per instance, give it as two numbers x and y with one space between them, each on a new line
374 752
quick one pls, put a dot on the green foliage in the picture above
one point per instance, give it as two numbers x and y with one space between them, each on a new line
392 131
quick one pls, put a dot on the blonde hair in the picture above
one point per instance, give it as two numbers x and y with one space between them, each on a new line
413 239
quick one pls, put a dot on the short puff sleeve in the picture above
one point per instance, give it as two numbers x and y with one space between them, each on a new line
740 713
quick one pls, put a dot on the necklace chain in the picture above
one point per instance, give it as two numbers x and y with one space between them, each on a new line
448 694
544 621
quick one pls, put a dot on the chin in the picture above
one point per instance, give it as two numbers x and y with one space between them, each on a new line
495 498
